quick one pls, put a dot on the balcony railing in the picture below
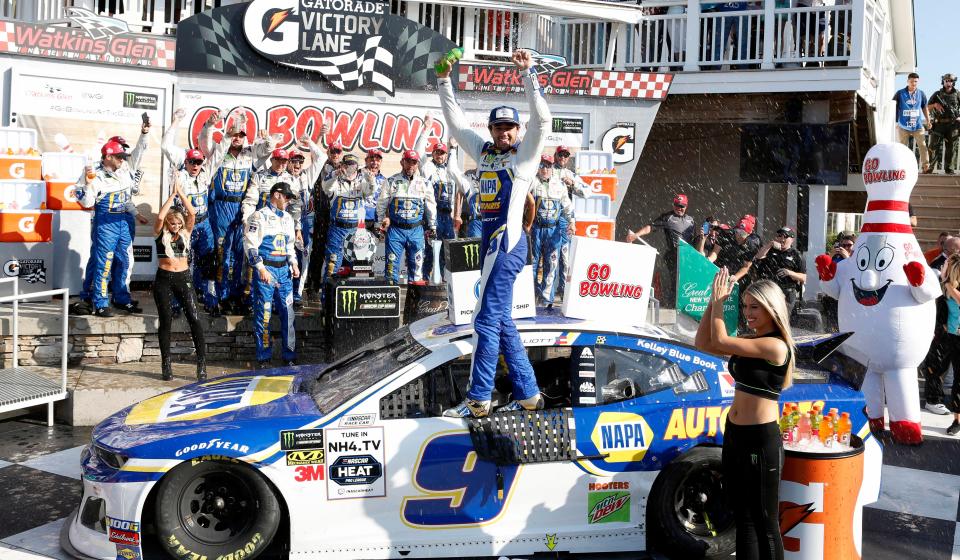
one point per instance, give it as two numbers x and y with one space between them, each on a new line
672 34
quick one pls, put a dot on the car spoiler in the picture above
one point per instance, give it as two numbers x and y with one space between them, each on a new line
821 349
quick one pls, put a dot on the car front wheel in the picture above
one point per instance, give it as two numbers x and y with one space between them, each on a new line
214 509
686 514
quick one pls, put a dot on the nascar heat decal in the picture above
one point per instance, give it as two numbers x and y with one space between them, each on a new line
208 399
355 463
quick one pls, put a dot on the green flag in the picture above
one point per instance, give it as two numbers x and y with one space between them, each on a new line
695 275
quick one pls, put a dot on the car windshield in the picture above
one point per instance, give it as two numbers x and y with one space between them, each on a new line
357 372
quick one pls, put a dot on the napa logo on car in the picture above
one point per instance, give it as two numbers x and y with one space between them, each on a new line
209 399
623 436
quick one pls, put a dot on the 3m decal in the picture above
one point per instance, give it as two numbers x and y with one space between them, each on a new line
209 399
608 507
623 435
458 489
688 423
307 473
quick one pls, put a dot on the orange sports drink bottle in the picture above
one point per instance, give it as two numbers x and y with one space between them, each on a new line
844 427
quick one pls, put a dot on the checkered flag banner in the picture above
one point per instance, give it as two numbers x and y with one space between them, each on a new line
417 49
36 275
351 70
96 26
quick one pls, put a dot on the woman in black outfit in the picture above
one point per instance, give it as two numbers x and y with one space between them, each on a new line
172 230
762 365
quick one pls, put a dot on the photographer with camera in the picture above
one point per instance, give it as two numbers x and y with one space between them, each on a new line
945 113
842 249
780 262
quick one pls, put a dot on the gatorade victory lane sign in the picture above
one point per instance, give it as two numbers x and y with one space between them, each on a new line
352 43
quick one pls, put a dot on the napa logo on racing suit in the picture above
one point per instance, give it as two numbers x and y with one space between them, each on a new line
489 189
279 245
209 399
623 436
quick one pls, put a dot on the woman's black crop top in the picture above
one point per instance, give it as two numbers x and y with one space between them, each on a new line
170 247
757 376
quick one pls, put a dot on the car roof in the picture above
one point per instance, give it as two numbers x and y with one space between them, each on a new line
437 330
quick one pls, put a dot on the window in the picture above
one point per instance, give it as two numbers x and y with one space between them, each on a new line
445 386
625 374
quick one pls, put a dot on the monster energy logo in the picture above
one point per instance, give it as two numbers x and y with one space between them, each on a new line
471 253
287 440
348 301
134 100
297 440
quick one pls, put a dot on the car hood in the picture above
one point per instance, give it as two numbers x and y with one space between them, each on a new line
245 411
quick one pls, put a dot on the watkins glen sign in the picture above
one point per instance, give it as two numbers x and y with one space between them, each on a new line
87 37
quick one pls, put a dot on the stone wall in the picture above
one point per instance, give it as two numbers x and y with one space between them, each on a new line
85 349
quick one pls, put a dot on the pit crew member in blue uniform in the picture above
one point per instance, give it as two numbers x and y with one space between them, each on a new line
321 204
437 172
506 167
110 193
553 208
346 191
269 242
232 162
303 183
576 187
122 267
406 201
194 180
373 161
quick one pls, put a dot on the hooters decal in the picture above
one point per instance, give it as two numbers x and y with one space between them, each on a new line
362 129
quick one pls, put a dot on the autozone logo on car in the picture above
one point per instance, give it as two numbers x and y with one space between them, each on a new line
598 284
624 436
689 423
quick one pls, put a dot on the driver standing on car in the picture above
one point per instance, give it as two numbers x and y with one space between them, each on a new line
506 167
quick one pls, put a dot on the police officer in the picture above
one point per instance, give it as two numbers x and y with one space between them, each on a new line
406 200
437 172
269 244
232 162
346 191
675 225
303 185
779 261
194 180
506 166
576 188
107 188
552 201
121 267
946 124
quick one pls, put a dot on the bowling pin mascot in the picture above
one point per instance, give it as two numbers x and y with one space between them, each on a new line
886 294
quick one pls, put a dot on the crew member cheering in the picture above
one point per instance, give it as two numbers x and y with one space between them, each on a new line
269 243
194 180
552 203
404 202
439 176
506 169
346 191
303 184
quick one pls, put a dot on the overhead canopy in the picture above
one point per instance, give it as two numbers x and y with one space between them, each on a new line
581 9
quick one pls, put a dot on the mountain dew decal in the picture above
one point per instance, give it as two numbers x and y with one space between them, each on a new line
609 506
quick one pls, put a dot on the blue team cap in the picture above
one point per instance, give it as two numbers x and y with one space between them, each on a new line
504 114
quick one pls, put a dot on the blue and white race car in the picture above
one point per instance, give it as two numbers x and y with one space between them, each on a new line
354 460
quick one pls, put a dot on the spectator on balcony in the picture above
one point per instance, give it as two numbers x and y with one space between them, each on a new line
945 107
736 26
813 28
913 117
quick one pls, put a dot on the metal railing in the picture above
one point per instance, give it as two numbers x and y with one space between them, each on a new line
19 388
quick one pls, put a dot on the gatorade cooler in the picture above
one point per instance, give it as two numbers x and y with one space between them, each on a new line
26 227
821 513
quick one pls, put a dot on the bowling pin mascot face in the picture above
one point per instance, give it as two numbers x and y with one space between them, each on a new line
886 293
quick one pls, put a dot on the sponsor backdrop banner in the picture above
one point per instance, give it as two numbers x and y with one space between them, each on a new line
559 80
350 44
98 39
695 283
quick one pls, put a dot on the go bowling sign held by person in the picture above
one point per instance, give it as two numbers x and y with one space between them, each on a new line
886 294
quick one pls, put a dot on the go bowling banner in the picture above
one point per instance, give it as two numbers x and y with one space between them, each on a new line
695 275
609 281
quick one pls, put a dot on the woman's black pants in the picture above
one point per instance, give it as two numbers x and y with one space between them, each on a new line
166 286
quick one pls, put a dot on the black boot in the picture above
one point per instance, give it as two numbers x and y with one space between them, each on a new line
166 369
201 368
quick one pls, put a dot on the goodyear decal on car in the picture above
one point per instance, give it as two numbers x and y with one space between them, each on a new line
210 399
624 436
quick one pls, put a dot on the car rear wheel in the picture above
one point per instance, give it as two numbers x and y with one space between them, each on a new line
686 514
215 508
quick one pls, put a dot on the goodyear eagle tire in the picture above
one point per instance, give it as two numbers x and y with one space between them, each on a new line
215 509
686 514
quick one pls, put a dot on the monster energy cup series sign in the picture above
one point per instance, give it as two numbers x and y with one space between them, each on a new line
367 302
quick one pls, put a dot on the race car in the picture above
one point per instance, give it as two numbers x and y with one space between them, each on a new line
354 460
